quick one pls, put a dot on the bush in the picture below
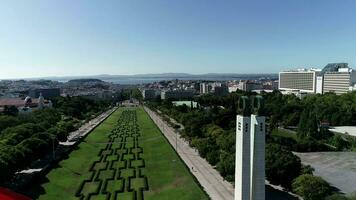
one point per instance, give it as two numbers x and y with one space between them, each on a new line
309 144
212 157
336 197
311 187
307 169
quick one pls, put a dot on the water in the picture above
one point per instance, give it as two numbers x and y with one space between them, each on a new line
131 80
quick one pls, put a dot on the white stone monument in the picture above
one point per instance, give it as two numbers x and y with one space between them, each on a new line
250 151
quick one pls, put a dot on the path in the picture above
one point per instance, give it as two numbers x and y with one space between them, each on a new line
337 168
209 178
88 127
73 138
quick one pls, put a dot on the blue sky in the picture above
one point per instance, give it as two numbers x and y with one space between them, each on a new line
83 37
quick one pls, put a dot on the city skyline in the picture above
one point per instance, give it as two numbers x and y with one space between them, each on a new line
42 38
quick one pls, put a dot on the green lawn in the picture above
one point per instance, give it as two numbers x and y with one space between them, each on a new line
167 176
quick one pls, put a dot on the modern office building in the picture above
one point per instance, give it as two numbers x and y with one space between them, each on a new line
299 80
338 78
250 154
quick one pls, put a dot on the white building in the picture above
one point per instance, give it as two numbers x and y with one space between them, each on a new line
339 81
299 80
233 88
337 78
204 88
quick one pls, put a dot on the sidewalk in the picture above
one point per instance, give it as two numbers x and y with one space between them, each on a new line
86 128
209 178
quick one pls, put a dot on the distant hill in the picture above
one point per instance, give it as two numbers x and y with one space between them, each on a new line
84 80
162 75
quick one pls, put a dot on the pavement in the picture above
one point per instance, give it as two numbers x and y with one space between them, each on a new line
347 130
209 178
73 138
337 168
24 177
86 128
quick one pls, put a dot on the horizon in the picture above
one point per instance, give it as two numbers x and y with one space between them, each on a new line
81 38
148 75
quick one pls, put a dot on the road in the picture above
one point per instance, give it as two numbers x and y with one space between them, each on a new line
209 178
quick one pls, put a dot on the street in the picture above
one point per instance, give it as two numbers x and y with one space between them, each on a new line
209 178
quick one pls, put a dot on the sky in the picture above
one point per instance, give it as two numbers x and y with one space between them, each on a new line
87 37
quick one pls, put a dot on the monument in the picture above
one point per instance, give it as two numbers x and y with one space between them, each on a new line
250 150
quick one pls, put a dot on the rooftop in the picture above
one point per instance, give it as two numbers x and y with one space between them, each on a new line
15 102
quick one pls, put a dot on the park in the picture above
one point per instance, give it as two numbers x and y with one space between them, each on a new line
125 157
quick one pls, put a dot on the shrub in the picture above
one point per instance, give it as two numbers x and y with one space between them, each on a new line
311 187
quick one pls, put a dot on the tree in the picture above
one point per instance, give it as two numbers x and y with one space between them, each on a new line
339 142
226 166
311 187
308 126
8 121
336 197
282 166
307 169
10 110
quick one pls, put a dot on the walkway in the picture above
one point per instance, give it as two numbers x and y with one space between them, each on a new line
337 168
209 178
87 128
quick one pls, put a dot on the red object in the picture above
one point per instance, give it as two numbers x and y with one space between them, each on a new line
6 194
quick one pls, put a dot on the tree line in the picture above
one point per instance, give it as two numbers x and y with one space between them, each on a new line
210 128
26 138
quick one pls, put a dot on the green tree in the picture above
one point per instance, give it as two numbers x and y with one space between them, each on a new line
311 187
336 197
307 169
282 166
10 110
8 121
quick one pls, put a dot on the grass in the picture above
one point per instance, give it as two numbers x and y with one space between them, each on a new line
168 177
283 133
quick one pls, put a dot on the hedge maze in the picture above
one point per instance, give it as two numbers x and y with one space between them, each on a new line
118 172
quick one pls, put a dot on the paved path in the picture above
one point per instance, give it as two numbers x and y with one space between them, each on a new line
212 182
87 128
337 168
72 139
24 177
